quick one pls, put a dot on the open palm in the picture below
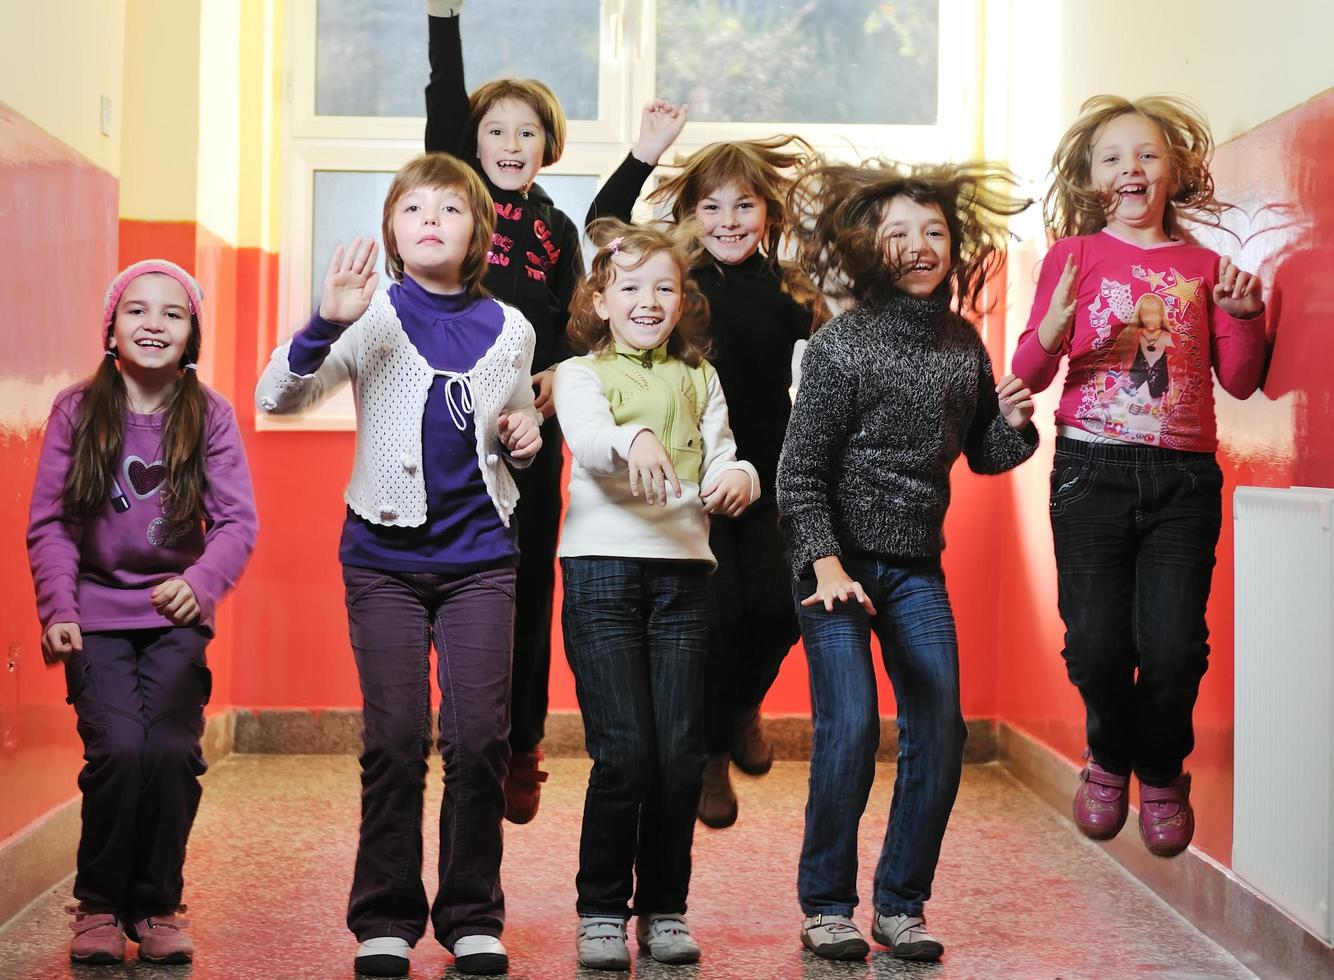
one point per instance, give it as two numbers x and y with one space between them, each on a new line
350 281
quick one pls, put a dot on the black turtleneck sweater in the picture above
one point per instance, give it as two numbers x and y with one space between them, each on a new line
753 326
535 263
892 392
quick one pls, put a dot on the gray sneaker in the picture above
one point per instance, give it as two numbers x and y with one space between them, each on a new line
666 938
835 937
906 937
601 943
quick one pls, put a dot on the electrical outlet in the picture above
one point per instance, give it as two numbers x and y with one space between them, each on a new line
106 115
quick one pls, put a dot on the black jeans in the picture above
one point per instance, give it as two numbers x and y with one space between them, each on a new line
635 635
1135 528
537 522
752 622
392 618
139 696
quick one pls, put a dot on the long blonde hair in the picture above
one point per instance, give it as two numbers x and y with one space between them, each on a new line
1073 206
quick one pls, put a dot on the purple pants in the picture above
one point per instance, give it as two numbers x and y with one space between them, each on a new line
139 696
392 617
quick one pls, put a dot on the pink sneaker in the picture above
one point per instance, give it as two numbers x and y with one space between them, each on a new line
1166 819
161 941
1101 802
98 937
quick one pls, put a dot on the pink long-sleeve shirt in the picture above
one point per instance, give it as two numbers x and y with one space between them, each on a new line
99 571
1146 338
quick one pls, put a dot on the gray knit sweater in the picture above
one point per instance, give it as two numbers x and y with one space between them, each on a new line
891 393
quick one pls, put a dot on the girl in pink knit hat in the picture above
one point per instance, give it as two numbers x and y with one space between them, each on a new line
142 518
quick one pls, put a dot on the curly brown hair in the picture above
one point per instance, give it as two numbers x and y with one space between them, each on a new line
1073 206
589 333
764 167
838 209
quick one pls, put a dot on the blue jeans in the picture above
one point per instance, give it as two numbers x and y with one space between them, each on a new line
636 634
1135 529
915 626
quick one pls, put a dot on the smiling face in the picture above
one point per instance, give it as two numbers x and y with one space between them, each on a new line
918 244
510 144
732 221
152 325
1131 164
642 305
432 229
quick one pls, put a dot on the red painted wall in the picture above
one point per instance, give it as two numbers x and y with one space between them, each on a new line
58 251
1280 437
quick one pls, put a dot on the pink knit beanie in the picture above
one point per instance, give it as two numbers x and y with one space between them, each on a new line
130 273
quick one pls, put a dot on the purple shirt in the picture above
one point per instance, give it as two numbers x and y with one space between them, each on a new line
462 532
99 571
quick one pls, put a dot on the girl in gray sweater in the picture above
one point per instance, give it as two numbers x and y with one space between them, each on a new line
892 392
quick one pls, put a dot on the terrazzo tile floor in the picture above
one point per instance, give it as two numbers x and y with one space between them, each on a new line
1019 893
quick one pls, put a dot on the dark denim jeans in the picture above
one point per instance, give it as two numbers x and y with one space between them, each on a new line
139 696
1135 528
391 617
752 624
635 635
915 627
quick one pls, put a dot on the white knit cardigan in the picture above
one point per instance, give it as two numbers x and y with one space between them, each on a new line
390 380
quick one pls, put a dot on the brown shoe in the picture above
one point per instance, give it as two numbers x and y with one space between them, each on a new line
98 937
523 786
1166 818
717 802
161 940
751 751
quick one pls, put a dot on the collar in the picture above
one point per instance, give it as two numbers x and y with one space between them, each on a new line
643 358
435 306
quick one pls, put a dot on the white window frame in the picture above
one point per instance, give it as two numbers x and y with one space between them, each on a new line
626 79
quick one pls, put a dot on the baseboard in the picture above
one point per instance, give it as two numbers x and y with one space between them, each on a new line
41 855
337 731
1210 896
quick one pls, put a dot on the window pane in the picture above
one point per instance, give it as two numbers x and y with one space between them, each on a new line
346 203
814 61
349 203
371 54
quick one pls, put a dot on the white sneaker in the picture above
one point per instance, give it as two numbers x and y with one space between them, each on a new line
666 938
383 956
835 937
906 937
601 943
480 955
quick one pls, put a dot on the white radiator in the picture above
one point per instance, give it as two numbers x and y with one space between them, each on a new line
1283 789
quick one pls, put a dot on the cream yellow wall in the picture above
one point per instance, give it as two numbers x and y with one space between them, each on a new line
162 96
259 223
57 59
219 113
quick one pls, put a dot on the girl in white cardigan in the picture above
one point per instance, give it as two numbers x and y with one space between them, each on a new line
440 376
646 422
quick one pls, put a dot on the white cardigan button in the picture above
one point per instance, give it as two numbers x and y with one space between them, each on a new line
492 459
409 463
387 512
268 404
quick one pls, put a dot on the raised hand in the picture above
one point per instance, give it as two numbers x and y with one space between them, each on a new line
1016 401
659 125
60 640
651 468
1237 293
350 281
728 495
520 435
1061 312
176 600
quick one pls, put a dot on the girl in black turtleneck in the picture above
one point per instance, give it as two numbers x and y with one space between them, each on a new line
734 193
509 129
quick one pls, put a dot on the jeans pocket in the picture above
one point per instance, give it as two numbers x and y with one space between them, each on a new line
1070 483
502 580
358 582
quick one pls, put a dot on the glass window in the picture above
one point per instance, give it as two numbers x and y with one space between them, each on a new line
371 55
800 61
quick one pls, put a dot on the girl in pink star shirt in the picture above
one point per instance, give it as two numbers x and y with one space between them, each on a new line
1146 319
